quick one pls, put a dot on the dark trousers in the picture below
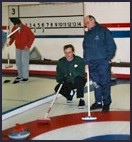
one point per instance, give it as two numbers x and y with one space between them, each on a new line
79 83
100 74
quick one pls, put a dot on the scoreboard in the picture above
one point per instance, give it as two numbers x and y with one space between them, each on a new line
50 19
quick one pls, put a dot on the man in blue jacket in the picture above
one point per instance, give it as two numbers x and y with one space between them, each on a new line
98 50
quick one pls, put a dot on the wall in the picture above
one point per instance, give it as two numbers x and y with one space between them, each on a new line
110 13
45 45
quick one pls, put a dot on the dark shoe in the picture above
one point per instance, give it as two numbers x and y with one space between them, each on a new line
106 108
17 80
81 104
96 106
70 98
7 81
24 80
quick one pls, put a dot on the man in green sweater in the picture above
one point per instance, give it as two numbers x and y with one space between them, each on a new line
71 72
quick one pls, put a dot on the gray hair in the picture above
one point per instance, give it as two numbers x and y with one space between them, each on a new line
91 17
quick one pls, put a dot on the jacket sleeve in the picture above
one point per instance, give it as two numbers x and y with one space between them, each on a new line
59 73
111 46
84 41
31 37
84 47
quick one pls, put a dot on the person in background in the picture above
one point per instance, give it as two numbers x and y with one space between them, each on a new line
4 38
23 40
71 72
98 50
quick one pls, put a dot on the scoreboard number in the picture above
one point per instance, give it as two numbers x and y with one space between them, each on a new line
13 11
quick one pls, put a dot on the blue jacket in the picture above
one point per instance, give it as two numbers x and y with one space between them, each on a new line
98 44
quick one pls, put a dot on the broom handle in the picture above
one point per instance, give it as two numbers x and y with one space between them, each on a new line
56 95
88 91
13 32
8 59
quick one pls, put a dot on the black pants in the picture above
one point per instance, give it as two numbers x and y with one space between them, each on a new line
79 83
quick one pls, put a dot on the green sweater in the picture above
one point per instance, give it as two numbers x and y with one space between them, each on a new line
70 69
